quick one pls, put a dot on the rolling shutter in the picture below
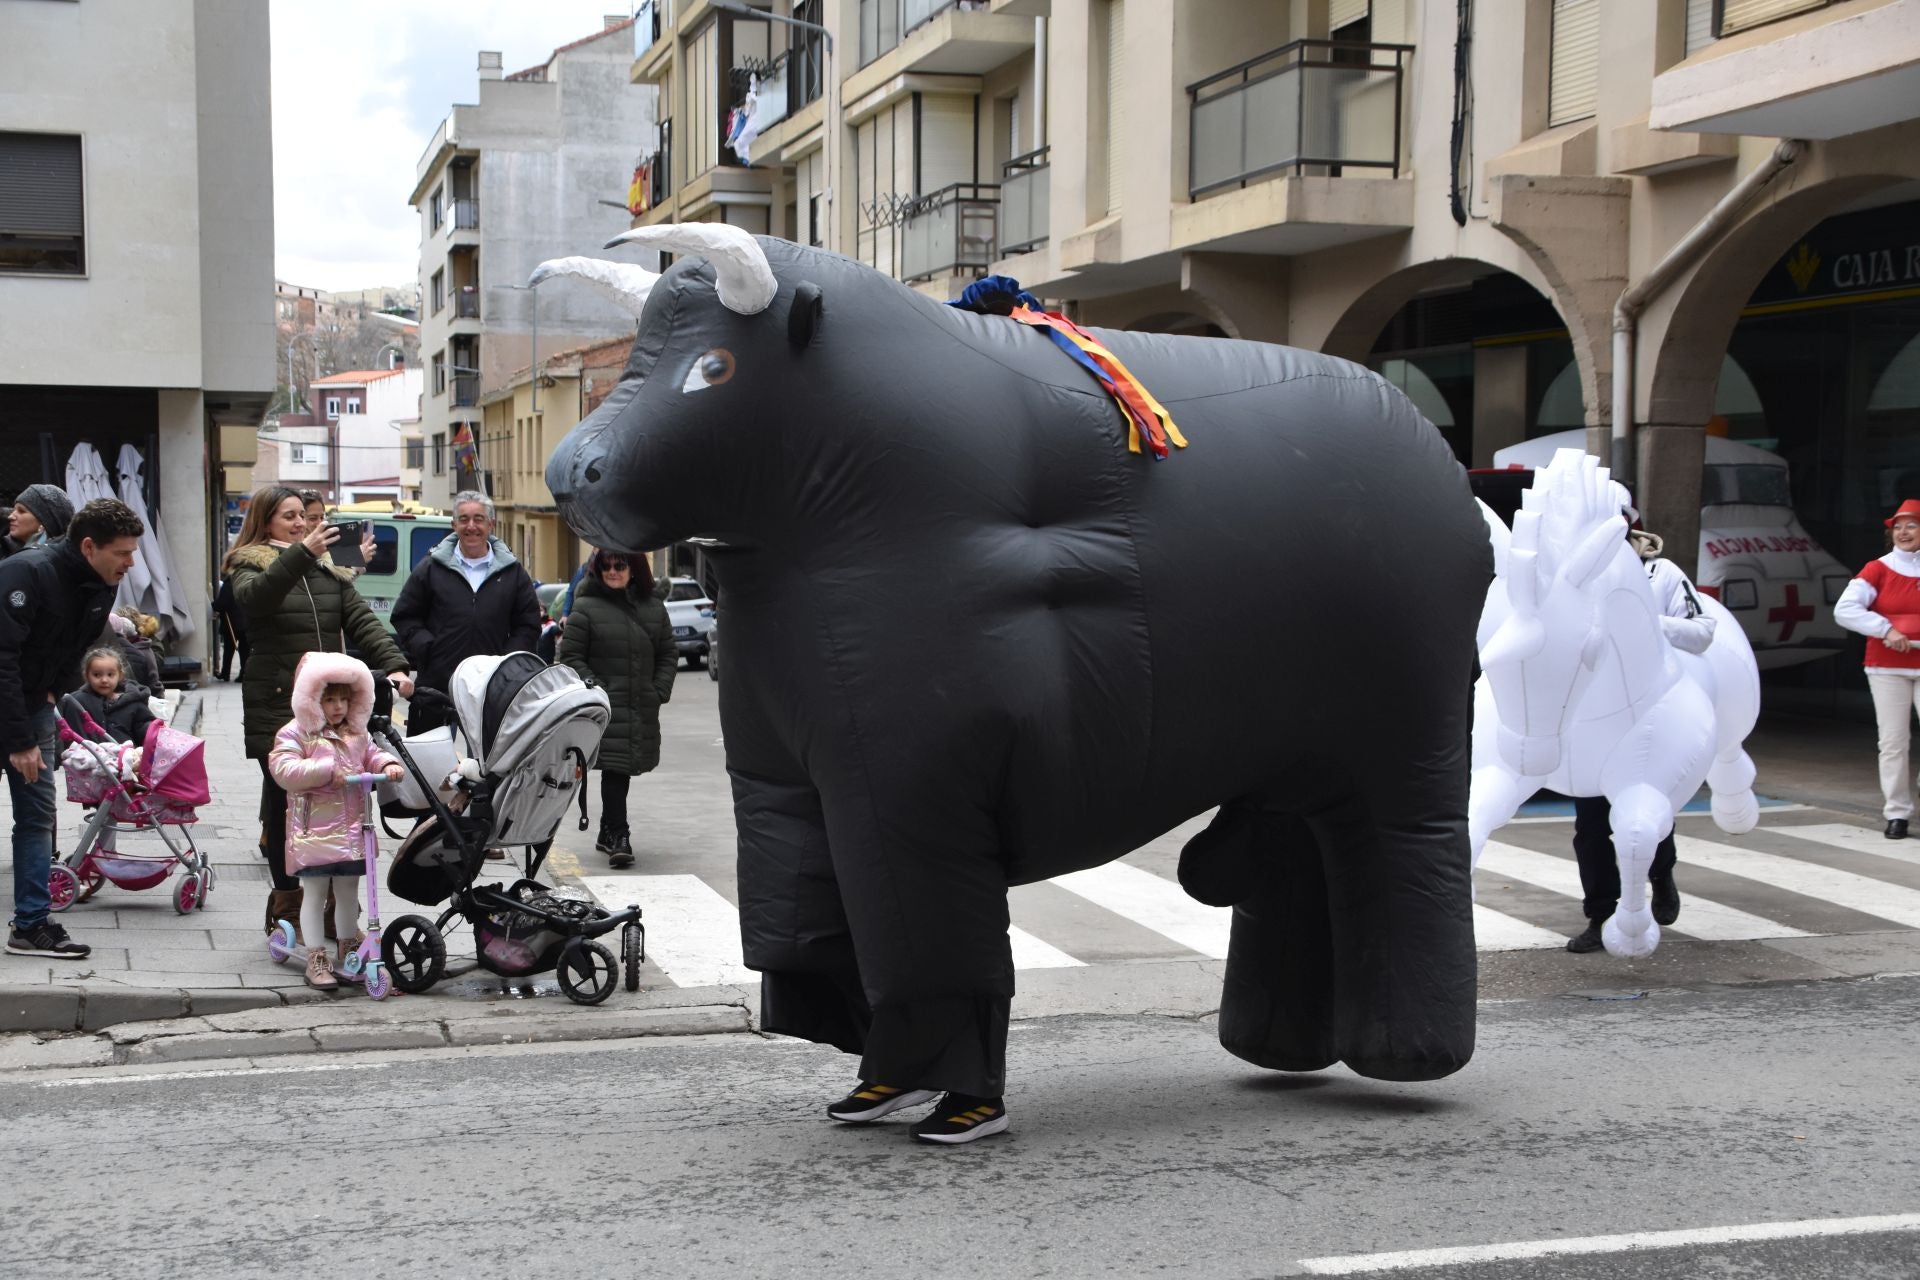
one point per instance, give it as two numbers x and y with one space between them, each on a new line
1344 13
1699 25
1738 15
1575 71
1116 133
40 185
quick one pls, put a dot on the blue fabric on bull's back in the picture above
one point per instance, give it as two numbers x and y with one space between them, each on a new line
967 649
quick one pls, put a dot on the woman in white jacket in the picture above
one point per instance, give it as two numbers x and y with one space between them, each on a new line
1883 604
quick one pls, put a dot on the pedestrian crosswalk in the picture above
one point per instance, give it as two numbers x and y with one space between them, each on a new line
1785 881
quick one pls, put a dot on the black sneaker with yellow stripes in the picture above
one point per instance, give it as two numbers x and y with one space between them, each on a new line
960 1118
870 1101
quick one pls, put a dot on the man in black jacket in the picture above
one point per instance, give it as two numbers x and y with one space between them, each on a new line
54 602
469 596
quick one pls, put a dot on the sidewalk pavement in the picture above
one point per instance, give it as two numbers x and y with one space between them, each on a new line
162 986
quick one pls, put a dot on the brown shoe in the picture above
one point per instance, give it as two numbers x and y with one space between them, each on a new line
320 972
284 904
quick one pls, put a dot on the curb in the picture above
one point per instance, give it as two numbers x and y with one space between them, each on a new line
83 1007
203 1038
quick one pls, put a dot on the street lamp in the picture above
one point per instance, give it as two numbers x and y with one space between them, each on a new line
745 10
391 346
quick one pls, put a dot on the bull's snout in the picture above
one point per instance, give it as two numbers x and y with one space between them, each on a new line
574 471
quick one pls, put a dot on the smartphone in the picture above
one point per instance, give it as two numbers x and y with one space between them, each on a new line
346 551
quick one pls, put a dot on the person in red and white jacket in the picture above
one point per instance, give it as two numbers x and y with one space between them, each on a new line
1883 604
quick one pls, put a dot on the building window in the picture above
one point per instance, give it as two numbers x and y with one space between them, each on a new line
439 453
307 455
439 373
333 407
1742 15
42 206
353 405
436 207
416 452
1574 73
439 291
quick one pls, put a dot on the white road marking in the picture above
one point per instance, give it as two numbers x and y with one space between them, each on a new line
1839 835
1699 917
1030 952
1842 888
693 933
1765 809
1160 905
1494 931
1415 1258
142 1077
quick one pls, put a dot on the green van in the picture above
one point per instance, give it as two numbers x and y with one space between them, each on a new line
401 540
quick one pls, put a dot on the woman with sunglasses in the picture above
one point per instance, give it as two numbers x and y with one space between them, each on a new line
618 636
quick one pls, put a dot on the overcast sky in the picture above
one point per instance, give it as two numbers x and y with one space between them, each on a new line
359 86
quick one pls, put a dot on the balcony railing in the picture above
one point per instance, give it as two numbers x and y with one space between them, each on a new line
951 230
1025 183
466 303
464 216
884 23
1323 105
466 390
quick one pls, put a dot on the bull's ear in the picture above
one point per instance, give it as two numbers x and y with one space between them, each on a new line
803 316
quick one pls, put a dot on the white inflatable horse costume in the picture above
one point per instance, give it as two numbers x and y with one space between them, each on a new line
1582 692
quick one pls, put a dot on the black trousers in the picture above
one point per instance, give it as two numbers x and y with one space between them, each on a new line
1593 850
228 646
273 830
613 801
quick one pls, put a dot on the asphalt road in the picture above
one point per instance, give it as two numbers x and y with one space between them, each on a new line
1138 1147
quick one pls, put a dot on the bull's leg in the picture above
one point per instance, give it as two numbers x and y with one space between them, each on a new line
1735 810
1277 1007
1399 885
1642 818
925 890
792 925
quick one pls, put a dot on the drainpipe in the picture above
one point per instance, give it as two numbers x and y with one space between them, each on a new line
1626 312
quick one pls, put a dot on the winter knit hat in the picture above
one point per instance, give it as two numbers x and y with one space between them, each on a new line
50 506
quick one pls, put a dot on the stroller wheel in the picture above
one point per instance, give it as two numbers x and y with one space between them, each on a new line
587 971
413 954
91 883
186 894
633 948
206 886
63 887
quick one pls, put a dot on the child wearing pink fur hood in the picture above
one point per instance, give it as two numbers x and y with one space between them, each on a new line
311 758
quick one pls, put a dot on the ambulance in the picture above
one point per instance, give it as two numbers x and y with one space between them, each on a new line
1755 556
401 540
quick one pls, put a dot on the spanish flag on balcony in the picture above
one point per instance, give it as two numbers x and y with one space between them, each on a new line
1146 419
637 190
466 454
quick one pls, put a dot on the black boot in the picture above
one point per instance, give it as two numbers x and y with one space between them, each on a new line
1896 828
1666 900
603 842
1586 940
621 855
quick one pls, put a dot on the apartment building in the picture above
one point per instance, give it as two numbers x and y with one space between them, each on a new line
537 168
136 254
1457 195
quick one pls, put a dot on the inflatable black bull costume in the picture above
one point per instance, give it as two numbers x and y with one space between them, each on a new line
973 642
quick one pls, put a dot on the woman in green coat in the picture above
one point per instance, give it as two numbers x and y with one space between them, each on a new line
618 637
295 602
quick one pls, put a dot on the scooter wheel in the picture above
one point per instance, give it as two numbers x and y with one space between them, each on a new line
379 985
186 894
281 943
63 887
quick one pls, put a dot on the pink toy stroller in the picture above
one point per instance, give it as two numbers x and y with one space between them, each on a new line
154 787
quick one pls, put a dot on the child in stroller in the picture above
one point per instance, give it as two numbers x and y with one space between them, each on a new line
532 731
312 759
116 705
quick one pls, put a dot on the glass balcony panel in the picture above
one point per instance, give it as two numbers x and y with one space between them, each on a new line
1219 136
1024 192
1273 124
1312 106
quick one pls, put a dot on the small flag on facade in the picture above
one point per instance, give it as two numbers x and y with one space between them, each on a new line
466 455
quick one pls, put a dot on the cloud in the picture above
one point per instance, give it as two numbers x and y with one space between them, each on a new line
359 86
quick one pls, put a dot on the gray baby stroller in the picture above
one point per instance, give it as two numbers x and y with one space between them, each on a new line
530 732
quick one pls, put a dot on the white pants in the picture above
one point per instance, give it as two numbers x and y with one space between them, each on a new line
1896 696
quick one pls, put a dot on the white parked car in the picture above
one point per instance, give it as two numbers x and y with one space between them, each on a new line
691 613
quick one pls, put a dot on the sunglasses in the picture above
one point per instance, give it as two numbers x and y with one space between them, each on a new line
614 566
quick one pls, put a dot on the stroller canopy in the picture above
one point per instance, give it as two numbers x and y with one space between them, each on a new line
508 705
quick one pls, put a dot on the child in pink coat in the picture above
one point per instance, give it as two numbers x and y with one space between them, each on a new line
311 758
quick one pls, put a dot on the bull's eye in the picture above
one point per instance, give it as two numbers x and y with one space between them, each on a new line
710 370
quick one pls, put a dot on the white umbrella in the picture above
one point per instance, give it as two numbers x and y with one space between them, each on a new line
150 585
87 476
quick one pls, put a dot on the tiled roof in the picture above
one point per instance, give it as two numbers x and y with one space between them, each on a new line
355 377
604 31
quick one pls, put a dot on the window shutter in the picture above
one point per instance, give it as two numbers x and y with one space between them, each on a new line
1344 13
1699 25
40 185
1575 71
1738 15
1116 134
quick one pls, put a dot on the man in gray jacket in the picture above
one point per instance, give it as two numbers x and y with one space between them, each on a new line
469 596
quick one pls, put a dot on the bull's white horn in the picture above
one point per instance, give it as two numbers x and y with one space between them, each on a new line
746 283
625 283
